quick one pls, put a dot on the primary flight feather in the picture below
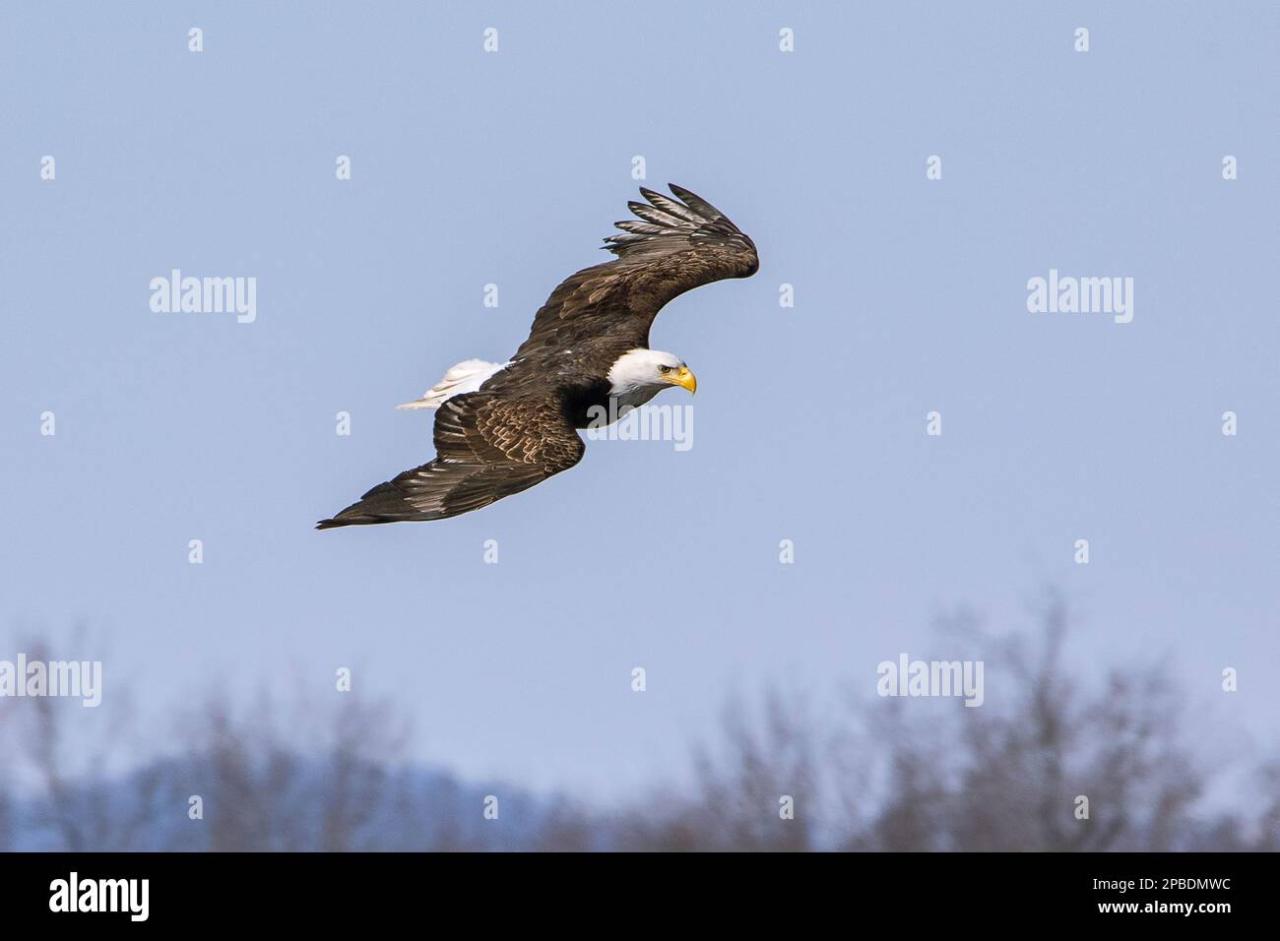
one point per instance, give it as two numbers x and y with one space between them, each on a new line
502 427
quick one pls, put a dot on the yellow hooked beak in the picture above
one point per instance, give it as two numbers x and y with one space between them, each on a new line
684 378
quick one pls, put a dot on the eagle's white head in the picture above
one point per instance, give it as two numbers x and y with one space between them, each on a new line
638 375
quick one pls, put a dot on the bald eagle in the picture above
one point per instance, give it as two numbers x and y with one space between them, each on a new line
501 428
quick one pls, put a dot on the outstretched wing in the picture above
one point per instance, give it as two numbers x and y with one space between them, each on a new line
488 447
673 247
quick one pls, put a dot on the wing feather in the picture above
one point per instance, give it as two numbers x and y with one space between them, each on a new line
488 446
677 246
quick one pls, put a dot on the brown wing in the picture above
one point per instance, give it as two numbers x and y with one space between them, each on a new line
674 247
488 447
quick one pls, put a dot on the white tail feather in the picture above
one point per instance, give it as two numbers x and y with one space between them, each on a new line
466 376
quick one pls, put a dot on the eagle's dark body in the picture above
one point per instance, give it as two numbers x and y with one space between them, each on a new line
519 428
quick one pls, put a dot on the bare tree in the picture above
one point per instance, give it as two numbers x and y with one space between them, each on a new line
1061 765
755 791
263 792
1057 761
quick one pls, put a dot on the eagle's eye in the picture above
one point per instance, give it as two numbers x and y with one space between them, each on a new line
664 369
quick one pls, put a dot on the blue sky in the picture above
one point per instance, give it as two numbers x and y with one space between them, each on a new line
471 168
